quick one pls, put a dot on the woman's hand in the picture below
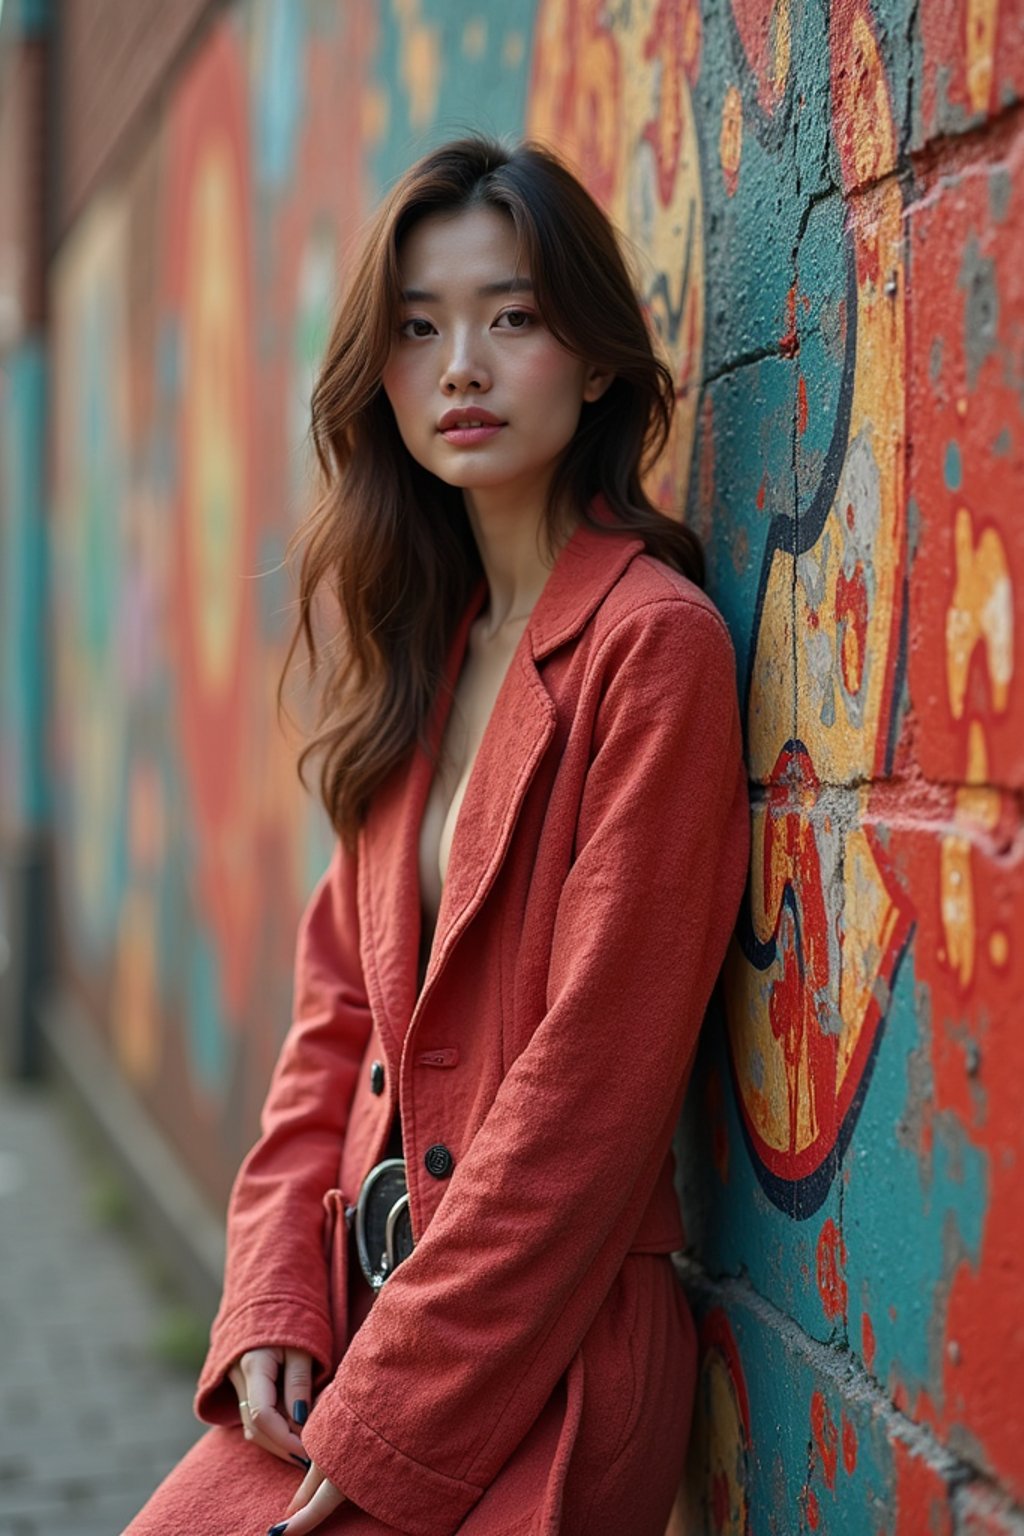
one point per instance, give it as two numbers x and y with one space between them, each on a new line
275 1427
313 1501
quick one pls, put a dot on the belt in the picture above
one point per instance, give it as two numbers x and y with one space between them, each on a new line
381 1222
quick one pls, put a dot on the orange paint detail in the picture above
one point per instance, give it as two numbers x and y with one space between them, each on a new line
813 1512
809 1048
789 341
852 625
826 1437
801 405
849 1445
831 1260
730 140
867 1340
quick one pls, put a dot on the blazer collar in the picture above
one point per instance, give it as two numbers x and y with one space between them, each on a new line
521 725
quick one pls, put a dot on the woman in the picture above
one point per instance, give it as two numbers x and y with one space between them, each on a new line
532 758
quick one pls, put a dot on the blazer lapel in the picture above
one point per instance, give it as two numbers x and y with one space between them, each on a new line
519 730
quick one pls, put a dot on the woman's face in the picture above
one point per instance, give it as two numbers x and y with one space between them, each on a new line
484 396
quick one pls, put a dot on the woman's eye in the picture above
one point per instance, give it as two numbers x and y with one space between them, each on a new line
518 319
415 327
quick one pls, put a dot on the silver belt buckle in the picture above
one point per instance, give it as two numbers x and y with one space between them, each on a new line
383 1226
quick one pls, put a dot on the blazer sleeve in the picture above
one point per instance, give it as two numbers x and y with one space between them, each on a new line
275 1285
469 1337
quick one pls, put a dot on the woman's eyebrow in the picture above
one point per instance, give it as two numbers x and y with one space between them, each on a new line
506 285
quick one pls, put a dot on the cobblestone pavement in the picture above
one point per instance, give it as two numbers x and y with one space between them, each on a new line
90 1418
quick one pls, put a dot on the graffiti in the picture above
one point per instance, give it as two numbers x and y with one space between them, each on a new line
615 97
866 644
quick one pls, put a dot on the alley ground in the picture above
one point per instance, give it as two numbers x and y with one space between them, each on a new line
91 1416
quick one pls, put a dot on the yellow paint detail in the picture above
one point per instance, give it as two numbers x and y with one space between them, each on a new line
474 38
869 920
512 50
782 46
770 704
980 21
977 754
866 103
976 802
419 61
842 727
980 612
134 1004
956 897
730 137
717 1459
998 947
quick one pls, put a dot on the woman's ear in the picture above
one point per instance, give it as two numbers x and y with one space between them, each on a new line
596 382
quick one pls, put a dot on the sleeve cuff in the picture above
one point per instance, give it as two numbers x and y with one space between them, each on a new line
380 1478
264 1320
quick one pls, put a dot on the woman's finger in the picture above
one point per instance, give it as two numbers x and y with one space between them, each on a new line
324 1501
298 1384
237 1380
262 1418
306 1489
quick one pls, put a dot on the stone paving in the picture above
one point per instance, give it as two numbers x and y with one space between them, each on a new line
90 1418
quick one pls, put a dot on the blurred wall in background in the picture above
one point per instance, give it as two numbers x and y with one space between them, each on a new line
826 210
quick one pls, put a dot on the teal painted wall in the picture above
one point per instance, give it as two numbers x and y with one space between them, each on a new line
24 788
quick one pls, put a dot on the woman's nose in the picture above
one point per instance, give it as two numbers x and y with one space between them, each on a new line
463 371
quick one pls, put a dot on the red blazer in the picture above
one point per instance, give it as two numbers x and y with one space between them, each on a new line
594 880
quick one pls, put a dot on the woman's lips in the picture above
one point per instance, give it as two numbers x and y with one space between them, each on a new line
465 437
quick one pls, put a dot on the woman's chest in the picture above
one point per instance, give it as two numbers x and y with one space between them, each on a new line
476 692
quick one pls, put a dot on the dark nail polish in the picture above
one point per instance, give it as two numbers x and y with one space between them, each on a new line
300 1410
278 1530
303 1461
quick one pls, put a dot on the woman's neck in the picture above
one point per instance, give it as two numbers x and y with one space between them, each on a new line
515 559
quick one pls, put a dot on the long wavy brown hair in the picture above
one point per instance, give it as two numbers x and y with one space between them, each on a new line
388 543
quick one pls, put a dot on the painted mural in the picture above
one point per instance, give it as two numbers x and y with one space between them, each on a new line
824 208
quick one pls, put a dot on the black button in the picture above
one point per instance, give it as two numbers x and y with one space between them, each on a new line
377 1077
439 1161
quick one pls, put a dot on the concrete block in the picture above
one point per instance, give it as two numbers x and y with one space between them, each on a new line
791 1438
